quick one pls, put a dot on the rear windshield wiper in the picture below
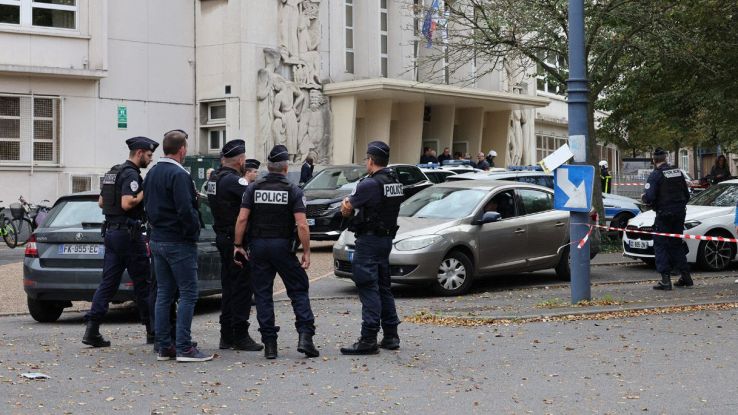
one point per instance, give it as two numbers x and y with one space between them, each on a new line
91 225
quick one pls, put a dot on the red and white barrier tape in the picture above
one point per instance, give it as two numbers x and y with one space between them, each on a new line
669 235
628 184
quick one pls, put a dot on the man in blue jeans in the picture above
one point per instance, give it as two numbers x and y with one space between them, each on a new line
171 206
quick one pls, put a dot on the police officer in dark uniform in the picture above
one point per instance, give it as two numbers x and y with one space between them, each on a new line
121 200
667 192
271 208
225 189
376 201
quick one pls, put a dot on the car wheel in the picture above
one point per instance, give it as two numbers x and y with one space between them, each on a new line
715 255
563 270
455 275
45 311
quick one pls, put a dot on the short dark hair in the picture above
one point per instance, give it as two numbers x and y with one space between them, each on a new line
173 141
309 159
658 158
379 161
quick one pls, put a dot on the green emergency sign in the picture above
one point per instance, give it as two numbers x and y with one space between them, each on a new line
122 116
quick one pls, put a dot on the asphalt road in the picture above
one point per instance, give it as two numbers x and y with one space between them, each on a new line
9 256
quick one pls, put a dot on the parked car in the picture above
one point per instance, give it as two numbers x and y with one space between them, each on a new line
325 191
436 175
618 209
64 258
711 212
456 232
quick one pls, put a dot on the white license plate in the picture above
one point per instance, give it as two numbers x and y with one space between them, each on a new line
80 249
311 222
350 256
638 244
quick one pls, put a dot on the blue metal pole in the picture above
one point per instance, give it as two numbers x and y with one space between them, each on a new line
578 97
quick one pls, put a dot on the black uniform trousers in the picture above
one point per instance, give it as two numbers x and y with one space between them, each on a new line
269 257
671 253
371 274
123 252
235 306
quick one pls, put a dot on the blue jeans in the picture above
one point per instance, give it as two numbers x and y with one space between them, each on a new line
371 274
175 265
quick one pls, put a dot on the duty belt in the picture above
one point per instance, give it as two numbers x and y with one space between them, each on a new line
377 232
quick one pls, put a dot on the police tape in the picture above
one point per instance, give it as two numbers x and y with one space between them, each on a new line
628 184
640 232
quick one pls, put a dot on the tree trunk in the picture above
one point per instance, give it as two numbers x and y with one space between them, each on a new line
593 158
676 153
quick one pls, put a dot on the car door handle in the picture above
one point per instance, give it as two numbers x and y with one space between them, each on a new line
560 224
520 230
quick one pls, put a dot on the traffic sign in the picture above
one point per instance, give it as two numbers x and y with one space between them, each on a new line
573 188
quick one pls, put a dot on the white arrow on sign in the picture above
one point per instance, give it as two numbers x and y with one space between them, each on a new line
577 194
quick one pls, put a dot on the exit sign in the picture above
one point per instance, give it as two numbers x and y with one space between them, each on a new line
122 116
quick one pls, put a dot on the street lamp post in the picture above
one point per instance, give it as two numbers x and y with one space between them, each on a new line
578 105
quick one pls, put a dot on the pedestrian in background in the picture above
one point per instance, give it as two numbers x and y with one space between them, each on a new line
667 193
721 170
121 200
306 172
482 162
271 208
605 177
491 158
171 205
377 199
251 170
446 155
225 189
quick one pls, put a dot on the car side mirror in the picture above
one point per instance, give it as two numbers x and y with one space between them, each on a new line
489 217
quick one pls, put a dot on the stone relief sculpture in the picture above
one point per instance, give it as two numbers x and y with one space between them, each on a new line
294 112
515 133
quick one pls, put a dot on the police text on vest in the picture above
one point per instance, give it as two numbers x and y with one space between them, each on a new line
274 197
393 190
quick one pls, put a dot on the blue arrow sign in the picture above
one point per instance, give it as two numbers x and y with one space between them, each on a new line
573 188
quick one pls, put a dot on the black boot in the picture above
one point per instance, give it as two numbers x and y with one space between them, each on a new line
390 338
226 339
305 345
365 345
243 341
685 280
665 283
270 348
92 335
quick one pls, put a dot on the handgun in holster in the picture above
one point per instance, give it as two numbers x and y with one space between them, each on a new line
104 228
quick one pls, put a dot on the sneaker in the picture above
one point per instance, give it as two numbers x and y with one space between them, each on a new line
193 355
166 354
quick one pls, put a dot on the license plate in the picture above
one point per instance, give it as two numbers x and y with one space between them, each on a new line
638 244
80 249
351 256
311 222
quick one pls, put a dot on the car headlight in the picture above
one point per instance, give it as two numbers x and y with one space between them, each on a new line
417 242
692 224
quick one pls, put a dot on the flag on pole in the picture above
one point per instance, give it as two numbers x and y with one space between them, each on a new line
430 22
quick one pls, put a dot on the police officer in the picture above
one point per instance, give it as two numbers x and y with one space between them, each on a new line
306 172
271 208
121 200
251 170
667 192
376 201
225 189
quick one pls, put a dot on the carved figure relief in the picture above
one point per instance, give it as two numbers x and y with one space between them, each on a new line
294 112
516 134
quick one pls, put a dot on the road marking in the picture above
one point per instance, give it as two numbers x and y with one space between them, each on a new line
284 290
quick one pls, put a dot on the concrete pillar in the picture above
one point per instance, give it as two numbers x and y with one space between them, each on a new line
378 115
441 126
496 125
406 132
343 126
469 126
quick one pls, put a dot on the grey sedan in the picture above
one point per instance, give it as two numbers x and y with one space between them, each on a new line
64 258
455 232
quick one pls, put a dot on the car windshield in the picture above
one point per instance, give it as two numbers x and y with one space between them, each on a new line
72 213
724 195
442 203
334 178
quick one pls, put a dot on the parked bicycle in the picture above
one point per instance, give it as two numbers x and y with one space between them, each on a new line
7 230
26 218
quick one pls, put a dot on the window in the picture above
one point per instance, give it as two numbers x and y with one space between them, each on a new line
58 14
29 129
216 139
417 9
544 82
535 201
409 175
213 126
684 160
216 112
81 184
502 203
383 37
546 145
349 29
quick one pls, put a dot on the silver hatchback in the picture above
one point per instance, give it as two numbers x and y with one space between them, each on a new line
455 232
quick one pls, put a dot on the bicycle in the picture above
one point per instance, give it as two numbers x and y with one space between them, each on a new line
26 218
7 230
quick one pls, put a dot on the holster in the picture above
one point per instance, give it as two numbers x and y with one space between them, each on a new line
104 228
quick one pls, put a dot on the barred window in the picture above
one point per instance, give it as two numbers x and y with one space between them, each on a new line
29 129
81 184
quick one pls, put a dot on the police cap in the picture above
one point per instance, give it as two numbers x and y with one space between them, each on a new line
252 164
379 149
278 153
233 148
141 143
660 152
